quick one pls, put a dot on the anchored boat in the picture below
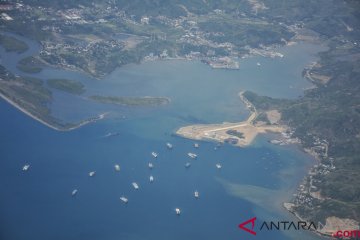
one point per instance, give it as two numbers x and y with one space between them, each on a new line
177 211
196 194
135 185
169 145
124 199
26 167
192 155
117 167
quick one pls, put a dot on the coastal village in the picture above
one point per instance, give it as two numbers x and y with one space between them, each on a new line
307 193
66 51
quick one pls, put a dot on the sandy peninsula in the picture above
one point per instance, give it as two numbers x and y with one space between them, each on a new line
52 126
221 132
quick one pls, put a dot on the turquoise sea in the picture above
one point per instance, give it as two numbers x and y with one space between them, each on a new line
253 181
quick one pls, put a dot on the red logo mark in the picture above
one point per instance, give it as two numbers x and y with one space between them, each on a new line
252 221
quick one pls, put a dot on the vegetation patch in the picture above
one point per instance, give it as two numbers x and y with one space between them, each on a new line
30 65
235 133
66 85
12 44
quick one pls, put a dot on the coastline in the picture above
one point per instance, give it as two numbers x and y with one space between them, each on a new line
82 123
217 133
269 51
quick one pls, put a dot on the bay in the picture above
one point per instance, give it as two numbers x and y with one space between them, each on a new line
254 181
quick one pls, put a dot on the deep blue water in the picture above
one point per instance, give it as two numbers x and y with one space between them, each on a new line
37 204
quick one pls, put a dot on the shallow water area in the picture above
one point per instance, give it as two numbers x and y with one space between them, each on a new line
253 181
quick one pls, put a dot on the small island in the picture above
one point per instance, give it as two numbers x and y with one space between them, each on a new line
30 65
66 85
132 101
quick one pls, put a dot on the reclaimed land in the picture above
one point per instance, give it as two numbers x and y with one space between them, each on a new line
247 130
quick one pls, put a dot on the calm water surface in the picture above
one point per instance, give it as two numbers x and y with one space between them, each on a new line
253 181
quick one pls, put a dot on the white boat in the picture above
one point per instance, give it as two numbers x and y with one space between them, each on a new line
196 194
177 210
196 145
192 155
151 178
169 145
151 165
91 174
117 167
258 64
124 199
154 154
74 192
218 166
187 165
26 167
135 185
110 134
